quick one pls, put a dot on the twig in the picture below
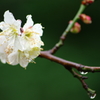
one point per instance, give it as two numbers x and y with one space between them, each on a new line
81 78
63 36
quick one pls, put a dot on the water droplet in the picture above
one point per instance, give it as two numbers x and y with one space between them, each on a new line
92 97
84 73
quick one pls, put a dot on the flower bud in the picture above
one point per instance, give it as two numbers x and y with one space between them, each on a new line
87 2
86 19
76 27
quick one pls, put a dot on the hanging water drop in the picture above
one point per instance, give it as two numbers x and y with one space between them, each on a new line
83 73
92 97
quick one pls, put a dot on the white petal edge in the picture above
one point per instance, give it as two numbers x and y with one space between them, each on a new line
38 29
8 17
13 58
29 22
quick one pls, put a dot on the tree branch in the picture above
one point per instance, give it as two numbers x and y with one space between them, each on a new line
68 64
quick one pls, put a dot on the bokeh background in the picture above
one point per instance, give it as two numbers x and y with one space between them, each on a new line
47 80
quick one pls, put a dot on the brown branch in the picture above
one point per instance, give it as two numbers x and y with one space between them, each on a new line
69 64
80 78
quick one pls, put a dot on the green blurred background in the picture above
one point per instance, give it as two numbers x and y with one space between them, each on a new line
47 80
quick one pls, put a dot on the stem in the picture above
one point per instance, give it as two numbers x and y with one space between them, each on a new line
81 9
63 36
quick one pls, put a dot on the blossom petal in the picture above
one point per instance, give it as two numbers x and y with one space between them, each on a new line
29 22
15 42
34 52
3 57
37 28
23 61
3 44
13 58
8 17
3 26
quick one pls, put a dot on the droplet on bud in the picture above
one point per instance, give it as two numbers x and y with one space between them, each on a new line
92 97
83 73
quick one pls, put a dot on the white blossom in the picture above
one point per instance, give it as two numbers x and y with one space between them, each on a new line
19 45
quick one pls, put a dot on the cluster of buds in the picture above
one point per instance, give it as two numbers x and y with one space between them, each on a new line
76 27
85 18
87 2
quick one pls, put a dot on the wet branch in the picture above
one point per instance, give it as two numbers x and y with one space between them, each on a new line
81 78
68 64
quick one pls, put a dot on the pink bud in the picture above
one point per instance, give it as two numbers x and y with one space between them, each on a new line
76 27
87 2
86 19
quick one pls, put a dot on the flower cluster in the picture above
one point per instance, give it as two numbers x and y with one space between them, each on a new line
19 45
